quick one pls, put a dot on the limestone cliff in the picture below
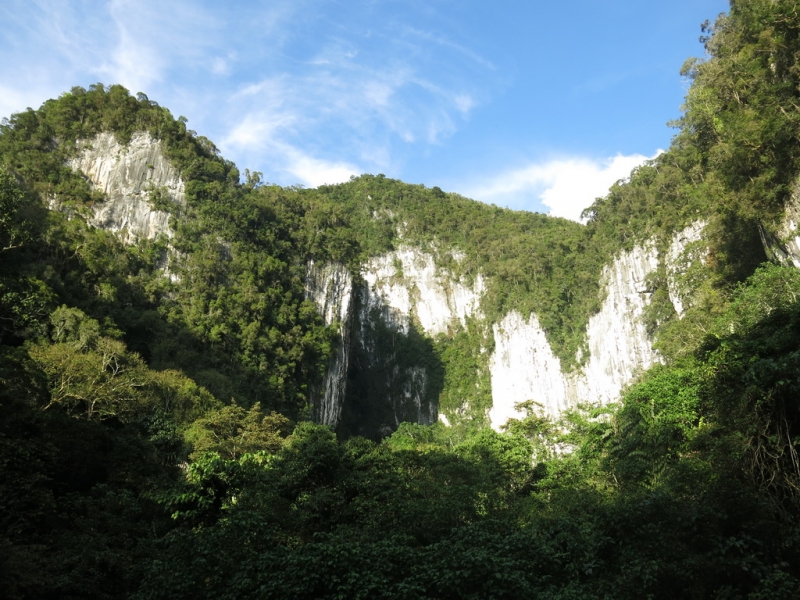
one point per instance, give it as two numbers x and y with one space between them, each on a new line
128 174
330 287
407 288
525 368
686 252
385 368
404 300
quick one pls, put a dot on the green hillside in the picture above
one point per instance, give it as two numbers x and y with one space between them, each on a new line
155 434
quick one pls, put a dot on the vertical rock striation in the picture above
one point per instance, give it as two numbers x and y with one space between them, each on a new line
619 346
330 287
127 175
523 366
404 300
407 287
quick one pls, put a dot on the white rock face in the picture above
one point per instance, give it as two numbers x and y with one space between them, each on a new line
404 289
618 342
682 253
330 287
406 286
523 366
788 231
127 174
415 381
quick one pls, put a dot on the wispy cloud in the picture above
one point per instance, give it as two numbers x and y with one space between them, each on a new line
289 89
443 41
350 109
261 137
566 186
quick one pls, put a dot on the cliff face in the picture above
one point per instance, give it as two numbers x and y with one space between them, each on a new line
686 252
129 175
386 368
525 368
407 288
404 301
330 287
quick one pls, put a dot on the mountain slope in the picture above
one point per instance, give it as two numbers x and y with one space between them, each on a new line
177 343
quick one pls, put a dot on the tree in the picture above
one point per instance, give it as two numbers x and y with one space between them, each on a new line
11 198
233 431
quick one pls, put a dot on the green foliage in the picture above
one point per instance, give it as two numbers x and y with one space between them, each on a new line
689 488
237 323
466 395
233 431
12 232
510 455
753 378
654 427
530 262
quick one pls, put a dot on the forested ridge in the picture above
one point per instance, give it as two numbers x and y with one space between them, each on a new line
155 439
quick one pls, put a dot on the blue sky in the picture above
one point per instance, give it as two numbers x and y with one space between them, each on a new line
533 105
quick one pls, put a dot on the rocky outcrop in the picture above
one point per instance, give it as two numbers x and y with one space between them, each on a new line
128 174
686 251
523 366
619 346
787 247
404 300
385 368
407 287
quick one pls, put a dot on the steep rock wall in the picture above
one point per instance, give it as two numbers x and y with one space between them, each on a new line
403 301
385 370
619 346
686 251
127 174
523 366
407 287
789 231
330 287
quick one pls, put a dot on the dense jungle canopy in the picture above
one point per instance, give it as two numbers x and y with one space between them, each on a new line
155 440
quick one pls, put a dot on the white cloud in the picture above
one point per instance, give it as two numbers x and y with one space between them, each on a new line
314 172
443 41
566 186
263 138
463 103
340 108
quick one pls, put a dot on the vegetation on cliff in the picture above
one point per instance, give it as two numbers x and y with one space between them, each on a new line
153 441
